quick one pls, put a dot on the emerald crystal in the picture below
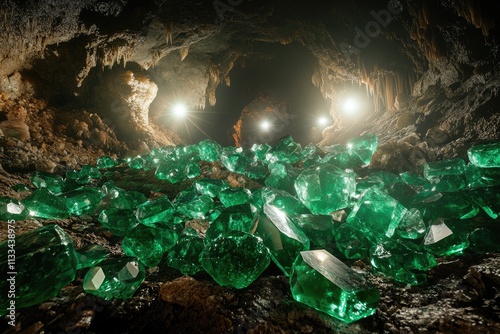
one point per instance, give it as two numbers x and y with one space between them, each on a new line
21 187
285 150
171 171
318 228
136 163
282 176
105 162
11 208
117 198
483 240
115 278
260 150
323 282
376 214
45 262
234 160
52 182
283 238
234 196
192 170
402 260
118 221
236 218
192 205
325 188
433 205
351 242
185 254
340 157
481 177
82 201
412 225
210 187
90 171
363 147
446 175
209 150
44 204
441 240
154 211
282 200
485 155
235 259
143 243
91 255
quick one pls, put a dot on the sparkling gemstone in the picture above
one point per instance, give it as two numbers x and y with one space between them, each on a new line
481 177
236 218
351 242
325 188
234 196
210 187
363 147
11 208
171 171
323 282
117 198
341 157
45 262
412 225
209 150
192 205
446 175
21 187
318 228
282 200
185 255
402 260
282 176
376 214
83 200
143 243
415 181
52 182
115 278
433 205
154 211
136 163
90 171
283 238
285 150
485 155
91 255
105 162
118 221
44 204
260 150
441 240
236 259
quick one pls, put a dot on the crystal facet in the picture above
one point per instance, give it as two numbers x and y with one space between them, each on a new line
485 155
323 282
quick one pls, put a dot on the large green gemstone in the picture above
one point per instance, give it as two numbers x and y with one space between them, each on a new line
192 205
234 196
143 243
402 260
235 259
185 255
283 238
446 175
236 218
282 176
210 187
285 150
83 200
115 278
91 255
118 221
172 171
481 177
363 147
154 211
105 162
53 182
209 150
318 228
352 242
376 214
323 282
45 261
341 157
44 204
412 225
441 240
485 155
325 188
282 200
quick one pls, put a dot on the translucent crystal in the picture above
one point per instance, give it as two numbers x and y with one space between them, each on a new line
115 278
325 188
485 155
154 211
235 259
285 150
234 196
283 238
483 240
82 201
236 218
105 162
481 177
446 175
351 242
192 205
323 282
363 147
412 225
118 221
441 240
341 157
210 187
11 208
318 228
45 262
282 176
209 150
283 201
91 255
185 255
143 243
44 204
52 182
376 214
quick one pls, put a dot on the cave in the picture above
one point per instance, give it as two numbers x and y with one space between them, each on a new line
295 118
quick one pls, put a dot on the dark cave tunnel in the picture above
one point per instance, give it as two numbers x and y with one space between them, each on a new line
250 166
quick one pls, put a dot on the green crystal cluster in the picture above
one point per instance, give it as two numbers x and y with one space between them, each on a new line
312 208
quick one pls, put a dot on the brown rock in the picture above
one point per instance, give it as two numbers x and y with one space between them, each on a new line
15 129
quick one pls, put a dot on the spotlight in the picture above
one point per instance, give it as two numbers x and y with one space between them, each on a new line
323 121
265 125
179 110
350 106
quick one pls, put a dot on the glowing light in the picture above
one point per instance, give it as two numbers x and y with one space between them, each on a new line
265 125
323 121
179 110
350 106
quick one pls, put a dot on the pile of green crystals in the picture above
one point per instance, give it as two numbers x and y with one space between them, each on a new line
312 212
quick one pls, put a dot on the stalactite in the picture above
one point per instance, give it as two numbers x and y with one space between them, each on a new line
168 32
184 52
475 13
227 81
